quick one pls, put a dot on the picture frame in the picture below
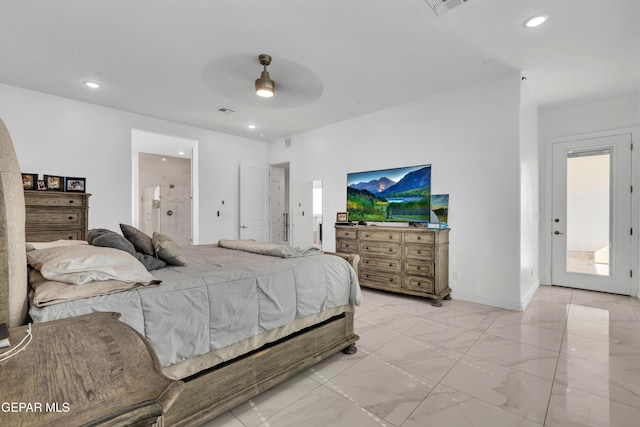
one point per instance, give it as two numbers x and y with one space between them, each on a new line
42 186
342 217
54 182
75 185
29 181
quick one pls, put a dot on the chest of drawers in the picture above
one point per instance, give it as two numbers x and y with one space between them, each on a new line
52 215
412 261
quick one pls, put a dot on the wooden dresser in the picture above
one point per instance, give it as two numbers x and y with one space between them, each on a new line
53 215
84 370
412 261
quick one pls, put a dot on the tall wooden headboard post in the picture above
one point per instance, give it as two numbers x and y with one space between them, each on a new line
13 261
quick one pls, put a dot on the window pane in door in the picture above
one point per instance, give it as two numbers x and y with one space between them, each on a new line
588 212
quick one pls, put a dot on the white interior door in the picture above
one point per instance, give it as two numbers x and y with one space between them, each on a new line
591 208
254 201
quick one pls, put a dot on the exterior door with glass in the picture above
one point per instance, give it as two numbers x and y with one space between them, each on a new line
591 214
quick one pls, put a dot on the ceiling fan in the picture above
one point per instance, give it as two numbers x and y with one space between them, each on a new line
231 77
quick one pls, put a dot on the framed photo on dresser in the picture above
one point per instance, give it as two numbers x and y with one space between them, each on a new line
29 181
54 183
75 185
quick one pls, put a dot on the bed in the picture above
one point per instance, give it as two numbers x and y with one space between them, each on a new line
290 312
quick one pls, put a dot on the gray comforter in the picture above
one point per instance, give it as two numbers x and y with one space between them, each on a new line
223 296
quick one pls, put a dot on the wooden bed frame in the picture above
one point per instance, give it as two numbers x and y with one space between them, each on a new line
206 394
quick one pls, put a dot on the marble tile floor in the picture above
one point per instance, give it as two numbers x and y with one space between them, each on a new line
571 359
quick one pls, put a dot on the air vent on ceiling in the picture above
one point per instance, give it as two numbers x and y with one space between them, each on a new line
442 6
226 110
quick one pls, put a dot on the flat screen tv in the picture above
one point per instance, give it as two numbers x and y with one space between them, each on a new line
390 195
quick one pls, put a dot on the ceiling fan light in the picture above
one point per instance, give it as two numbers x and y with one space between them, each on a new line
265 86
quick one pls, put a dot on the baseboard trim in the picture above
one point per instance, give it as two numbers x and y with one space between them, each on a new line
509 305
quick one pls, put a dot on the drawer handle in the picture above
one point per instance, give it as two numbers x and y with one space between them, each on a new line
390 236
70 201
390 264
390 250
366 248
419 252
418 268
419 284
391 280
70 218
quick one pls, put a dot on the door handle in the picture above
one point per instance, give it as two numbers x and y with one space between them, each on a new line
557 232
243 226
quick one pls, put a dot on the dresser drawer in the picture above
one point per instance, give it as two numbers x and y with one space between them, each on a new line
380 279
52 235
37 217
390 264
419 268
379 248
422 284
423 252
38 198
380 235
342 233
347 246
425 237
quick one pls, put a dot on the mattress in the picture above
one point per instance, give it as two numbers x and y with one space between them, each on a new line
224 297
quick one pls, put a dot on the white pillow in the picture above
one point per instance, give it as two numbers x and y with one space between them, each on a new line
32 246
81 264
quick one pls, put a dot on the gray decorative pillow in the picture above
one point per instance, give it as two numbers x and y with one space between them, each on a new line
140 240
150 262
95 233
111 239
168 250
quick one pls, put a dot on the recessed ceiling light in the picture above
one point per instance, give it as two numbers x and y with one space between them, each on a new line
181 153
251 126
92 85
536 21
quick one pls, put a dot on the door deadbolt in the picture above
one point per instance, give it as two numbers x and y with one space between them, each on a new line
169 213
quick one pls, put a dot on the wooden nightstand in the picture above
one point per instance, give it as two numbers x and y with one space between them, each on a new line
85 370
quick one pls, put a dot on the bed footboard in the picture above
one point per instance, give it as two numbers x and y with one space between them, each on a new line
213 392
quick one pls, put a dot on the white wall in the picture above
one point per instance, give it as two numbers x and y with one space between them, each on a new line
620 112
58 136
470 136
529 196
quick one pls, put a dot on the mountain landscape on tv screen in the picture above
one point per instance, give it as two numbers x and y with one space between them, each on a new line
375 186
383 199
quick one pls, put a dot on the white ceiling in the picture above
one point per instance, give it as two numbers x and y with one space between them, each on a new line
332 59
